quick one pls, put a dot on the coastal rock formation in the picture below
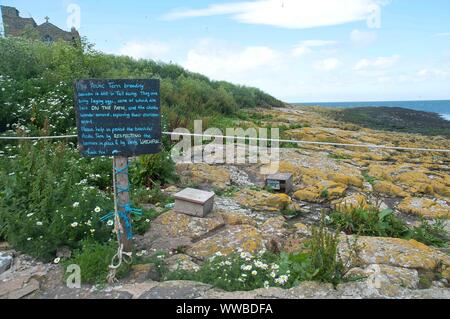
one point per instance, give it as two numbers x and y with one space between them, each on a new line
227 241
425 207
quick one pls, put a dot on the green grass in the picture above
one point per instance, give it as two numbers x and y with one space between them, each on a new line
383 223
94 259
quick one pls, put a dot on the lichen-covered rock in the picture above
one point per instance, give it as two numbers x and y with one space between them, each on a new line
231 218
388 279
397 253
274 232
390 189
308 194
172 230
181 262
5 262
311 170
227 241
349 203
201 173
142 272
415 179
425 207
302 229
324 190
262 200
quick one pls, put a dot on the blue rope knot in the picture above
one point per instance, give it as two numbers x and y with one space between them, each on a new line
124 216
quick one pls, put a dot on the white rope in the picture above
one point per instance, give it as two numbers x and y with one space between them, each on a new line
36 137
370 146
316 143
118 229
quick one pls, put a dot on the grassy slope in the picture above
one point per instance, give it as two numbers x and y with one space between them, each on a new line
36 82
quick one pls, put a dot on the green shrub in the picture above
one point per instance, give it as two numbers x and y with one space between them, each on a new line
325 193
318 261
150 170
373 222
94 259
154 195
45 201
370 222
238 272
432 234
37 90
142 223
325 263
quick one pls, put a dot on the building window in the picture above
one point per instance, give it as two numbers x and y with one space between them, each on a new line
47 39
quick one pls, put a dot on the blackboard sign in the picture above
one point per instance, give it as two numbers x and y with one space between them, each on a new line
118 117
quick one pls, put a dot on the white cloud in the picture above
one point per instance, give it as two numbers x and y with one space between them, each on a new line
328 64
145 49
363 38
305 47
294 14
433 72
377 63
222 62
443 34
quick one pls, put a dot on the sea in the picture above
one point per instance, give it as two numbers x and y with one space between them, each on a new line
442 107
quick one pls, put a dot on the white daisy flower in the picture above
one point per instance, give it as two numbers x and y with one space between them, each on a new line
76 204
74 224
57 260
97 209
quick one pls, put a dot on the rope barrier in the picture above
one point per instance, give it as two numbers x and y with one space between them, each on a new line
36 137
370 146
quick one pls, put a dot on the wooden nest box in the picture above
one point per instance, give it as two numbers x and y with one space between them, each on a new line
281 182
194 202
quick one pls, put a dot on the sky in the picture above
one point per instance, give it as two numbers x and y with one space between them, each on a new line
296 50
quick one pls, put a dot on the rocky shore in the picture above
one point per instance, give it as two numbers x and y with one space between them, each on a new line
413 184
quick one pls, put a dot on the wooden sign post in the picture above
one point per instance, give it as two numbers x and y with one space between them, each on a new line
119 118
122 197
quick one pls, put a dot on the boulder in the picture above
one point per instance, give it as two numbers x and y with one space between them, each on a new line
176 290
181 262
395 252
231 218
274 232
425 207
5 261
172 230
324 190
350 202
262 200
216 176
390 189
227 241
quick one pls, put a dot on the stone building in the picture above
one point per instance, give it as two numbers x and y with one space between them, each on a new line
15 26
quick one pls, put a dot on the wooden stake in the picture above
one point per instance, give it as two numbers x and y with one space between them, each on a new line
123 197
